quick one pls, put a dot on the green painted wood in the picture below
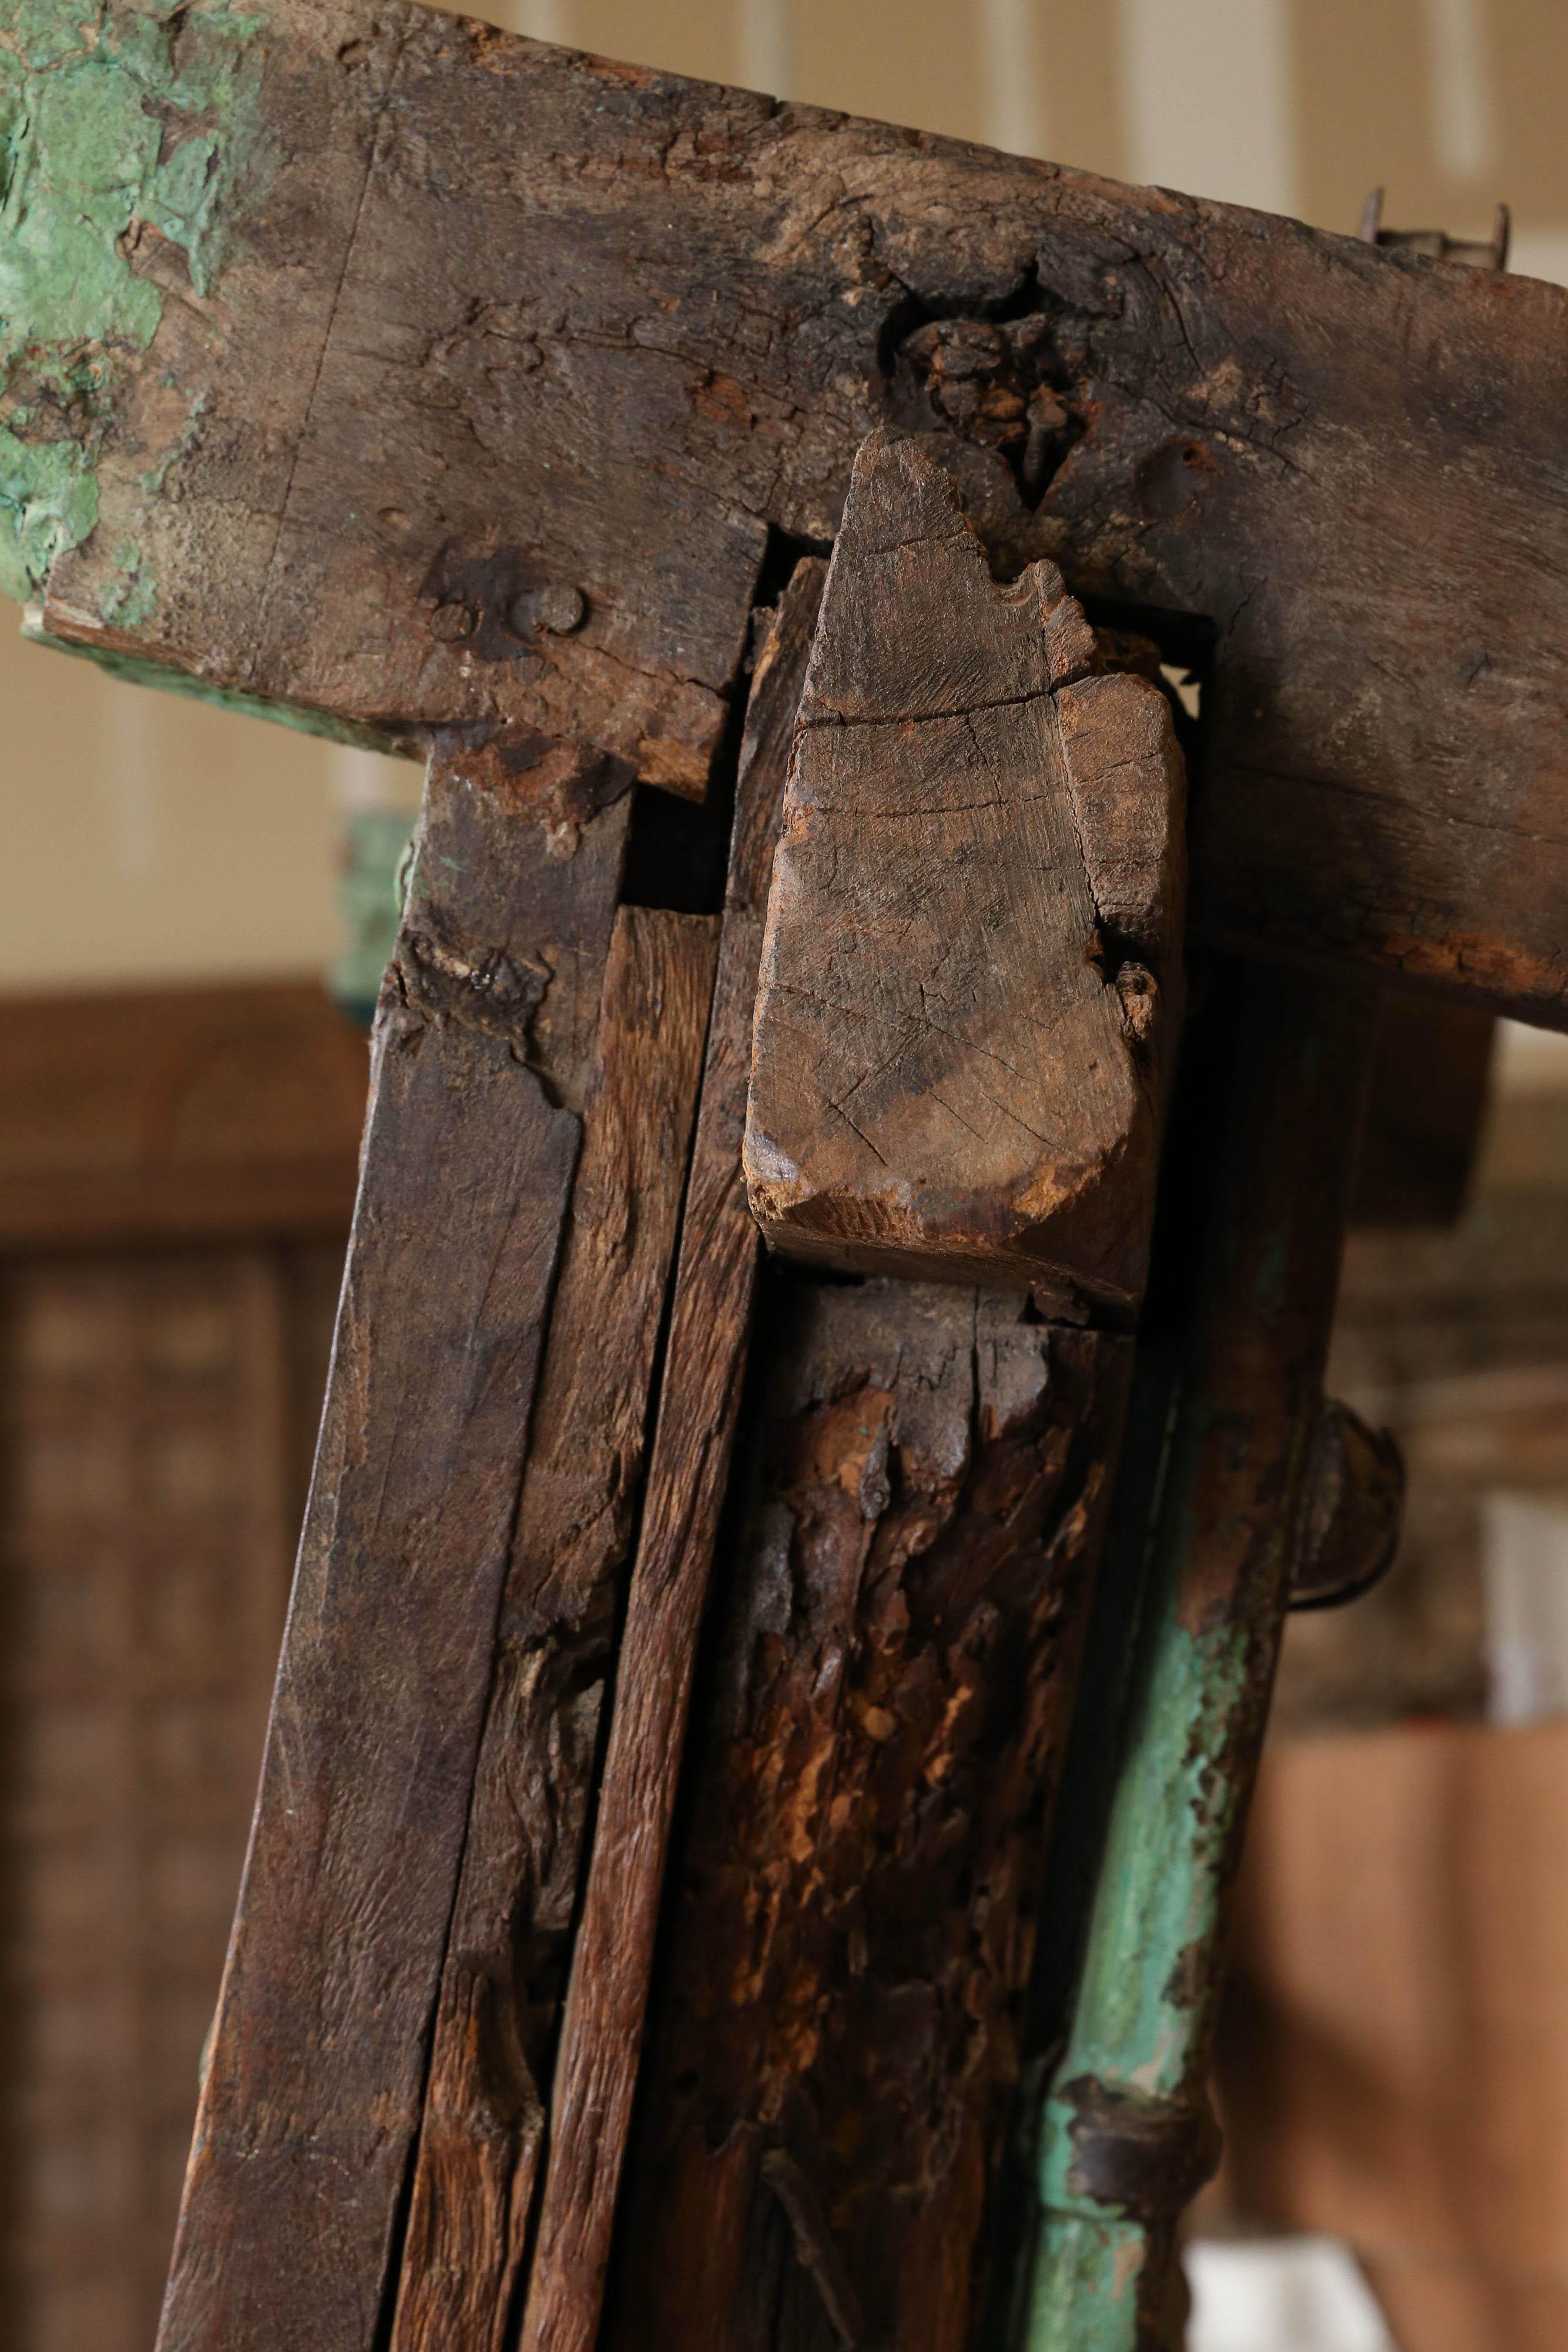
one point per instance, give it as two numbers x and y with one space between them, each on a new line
113 118
1126 2135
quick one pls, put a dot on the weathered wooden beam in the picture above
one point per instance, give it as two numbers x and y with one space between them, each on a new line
968 1003
376 310
834 2044
484 2117
178 1114
483 1055
596 2070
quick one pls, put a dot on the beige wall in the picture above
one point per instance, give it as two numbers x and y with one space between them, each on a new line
152 839
146 838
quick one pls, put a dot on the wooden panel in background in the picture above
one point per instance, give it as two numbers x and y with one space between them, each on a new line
151 1413
178 1114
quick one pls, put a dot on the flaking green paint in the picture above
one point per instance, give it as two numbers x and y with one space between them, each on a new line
49 500
1136 2026
1088 2278
1125 2131
127 601
1157 1895
110 115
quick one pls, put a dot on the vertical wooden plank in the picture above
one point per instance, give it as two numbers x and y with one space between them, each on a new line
601 2031
484 2117
482 1050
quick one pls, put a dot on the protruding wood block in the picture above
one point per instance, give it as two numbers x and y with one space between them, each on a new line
974 937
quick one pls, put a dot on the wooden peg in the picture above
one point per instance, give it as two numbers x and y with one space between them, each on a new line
973 946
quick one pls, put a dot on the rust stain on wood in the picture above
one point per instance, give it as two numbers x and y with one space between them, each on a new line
835 2046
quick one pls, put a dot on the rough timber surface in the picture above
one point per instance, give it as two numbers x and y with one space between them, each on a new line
699 1404
484 2118
307 2115
834 2051
525 353
966 1008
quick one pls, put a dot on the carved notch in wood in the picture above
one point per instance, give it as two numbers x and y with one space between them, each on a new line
973 934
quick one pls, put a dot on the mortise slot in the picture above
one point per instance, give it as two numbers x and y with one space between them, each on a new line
678 850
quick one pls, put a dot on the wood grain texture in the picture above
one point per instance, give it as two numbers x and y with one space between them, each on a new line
494 327
484 2116
170 1114
312 2098
699 1402
971 982
834 2047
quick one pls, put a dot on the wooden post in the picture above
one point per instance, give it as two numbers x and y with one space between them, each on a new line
1126 2135
484 1048
962 1031
947 1515
834 2042
705 1367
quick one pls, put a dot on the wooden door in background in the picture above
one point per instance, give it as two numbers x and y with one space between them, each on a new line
172 1214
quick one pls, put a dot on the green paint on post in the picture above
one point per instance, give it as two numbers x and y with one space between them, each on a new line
1157 1901
1159 1895
1089 2284
118 117
1125 2134
49 501
377 852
